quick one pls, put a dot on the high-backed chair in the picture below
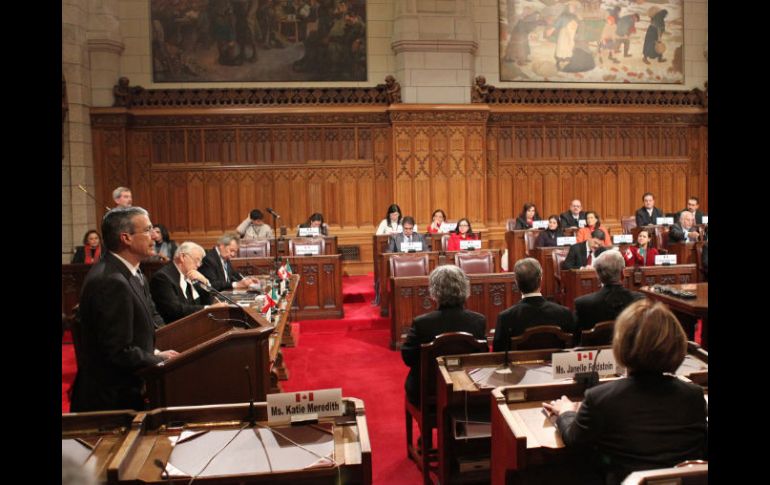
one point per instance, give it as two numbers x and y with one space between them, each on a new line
627 223
510 224
409 265
306 241
530 238
449 343
661 236
600 334
542 337
476 262
254 249
558 258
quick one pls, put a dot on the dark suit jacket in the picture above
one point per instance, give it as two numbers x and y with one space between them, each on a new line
698 215
397 239
678 234
602 305
641 422
566 220
114 337
644 219
171 302
425 328
548 238
212 269
521 222
529 312
576 257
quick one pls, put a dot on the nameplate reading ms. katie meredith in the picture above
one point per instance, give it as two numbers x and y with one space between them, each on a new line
308 231
411 246
304 404
661 259
540 224
567 364
566 241
470 244
447 226
311 249
623 239
705 219
665 221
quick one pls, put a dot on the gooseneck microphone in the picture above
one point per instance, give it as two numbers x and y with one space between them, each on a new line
252 417
273 213
211 289
92 197
236 320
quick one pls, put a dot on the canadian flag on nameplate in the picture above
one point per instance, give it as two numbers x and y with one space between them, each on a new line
586 356
303 396
282 273
269 303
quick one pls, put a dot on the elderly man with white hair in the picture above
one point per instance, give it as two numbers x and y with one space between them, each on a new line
684 230
172 287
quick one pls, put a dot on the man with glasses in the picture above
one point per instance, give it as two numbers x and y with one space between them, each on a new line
573 216
172 287
416 241
217 268
115 331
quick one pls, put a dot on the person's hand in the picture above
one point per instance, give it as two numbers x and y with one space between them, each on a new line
245 282
195 275
168 354
218 304
560 406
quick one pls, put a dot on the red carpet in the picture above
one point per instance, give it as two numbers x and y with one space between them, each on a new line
352 354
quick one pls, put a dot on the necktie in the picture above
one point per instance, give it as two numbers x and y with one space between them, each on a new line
189 292
139 277
225 265
590 258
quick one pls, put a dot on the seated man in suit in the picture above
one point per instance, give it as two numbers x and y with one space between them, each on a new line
648 214
407 236
217 268
573 216
532 310
684 230
115 336
254 227
172 287
582 254
607 303
693 205
449 286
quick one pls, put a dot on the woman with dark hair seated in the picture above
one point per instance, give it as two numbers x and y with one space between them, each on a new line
462 232
642 253
527 217
649 419
316 219
548 237
593 229
91 250
164 246
438 218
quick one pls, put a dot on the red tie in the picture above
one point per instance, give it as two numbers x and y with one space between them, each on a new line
590 258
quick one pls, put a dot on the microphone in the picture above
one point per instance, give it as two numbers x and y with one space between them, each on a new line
92 197
506 367
589 379
244 322
252 417
273 213
211 289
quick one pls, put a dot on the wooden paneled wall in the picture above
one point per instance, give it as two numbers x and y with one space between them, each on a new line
201 170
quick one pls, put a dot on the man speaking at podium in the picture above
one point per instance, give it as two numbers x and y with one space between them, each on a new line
115 336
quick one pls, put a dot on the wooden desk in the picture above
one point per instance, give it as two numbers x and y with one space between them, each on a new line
435 258
319 295
96 437
686 310
466 381
330 245
517 247
685 252
543 255
150 441
490 294
578 282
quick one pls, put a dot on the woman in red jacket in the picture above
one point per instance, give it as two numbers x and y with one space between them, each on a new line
593 229
642 253
462 232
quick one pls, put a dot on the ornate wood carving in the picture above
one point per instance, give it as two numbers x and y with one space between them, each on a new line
597 97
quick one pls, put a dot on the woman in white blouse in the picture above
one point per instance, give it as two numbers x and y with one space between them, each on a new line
392 222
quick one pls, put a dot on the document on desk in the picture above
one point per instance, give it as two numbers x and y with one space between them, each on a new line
690 365
489 377
76 449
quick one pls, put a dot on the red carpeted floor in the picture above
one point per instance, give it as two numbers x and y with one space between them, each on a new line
352 354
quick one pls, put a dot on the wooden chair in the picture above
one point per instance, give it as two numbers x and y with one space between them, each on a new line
661 237
530 238
254 249
691 472
510 225
320 242
409 265
702 274
542 337
600 334
627 223
558 258
423 453
444 241
476 262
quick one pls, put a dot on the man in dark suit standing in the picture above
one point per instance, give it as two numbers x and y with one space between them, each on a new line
573 216
582 254
449 286
172 287
407 236
532 310
217 268
115 335
610 300
648 214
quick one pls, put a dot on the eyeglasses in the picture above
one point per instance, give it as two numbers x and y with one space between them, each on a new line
464 225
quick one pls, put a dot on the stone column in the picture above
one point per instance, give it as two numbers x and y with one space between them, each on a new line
435 47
